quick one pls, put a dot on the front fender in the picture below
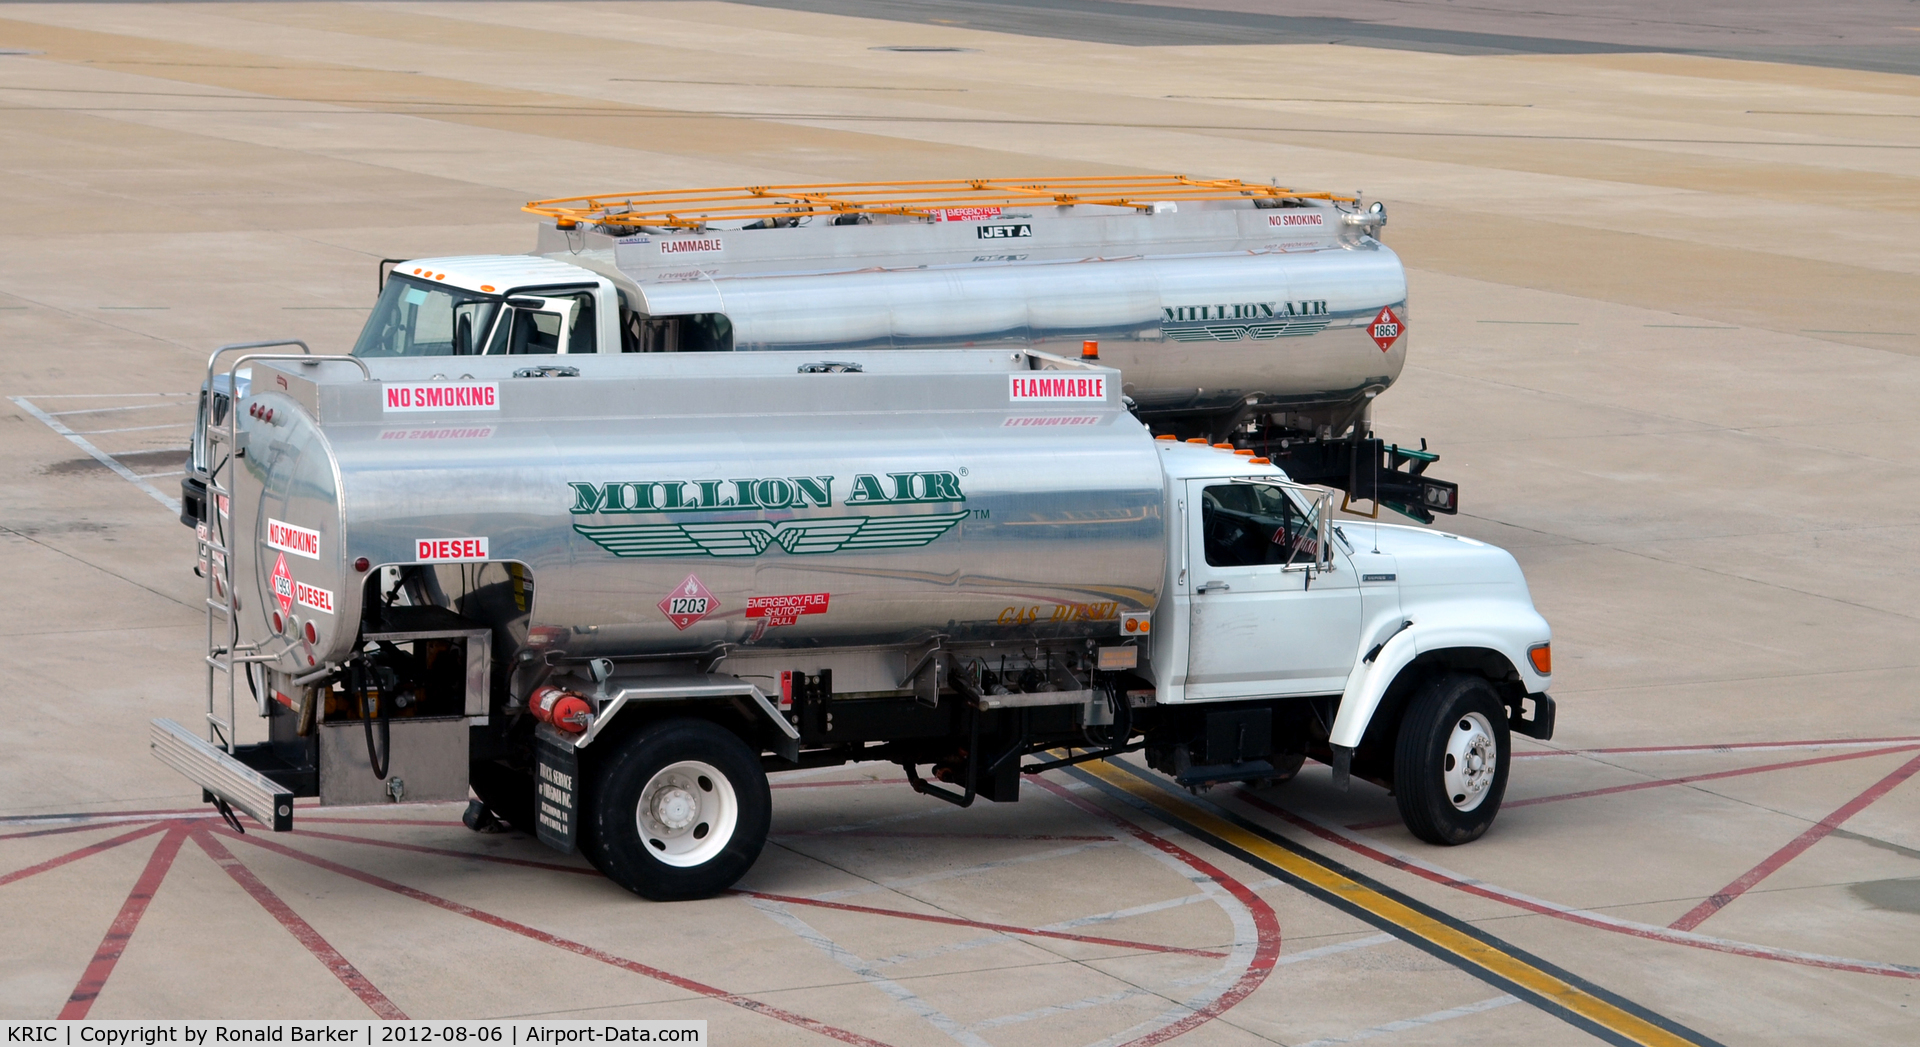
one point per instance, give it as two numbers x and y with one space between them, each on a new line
1501 626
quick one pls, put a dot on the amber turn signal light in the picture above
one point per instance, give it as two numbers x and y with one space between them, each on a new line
1541 655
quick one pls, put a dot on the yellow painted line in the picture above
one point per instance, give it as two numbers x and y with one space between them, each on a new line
1473 950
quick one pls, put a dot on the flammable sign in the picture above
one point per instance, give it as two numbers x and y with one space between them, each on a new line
689 602
1386 328
283 584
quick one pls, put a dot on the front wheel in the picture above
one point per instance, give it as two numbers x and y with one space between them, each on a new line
1450 762
681 811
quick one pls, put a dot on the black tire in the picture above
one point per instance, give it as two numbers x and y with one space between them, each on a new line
1286 767
508 793
696 777
1450 715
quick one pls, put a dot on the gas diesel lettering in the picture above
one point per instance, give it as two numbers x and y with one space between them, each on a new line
449 550
780 492
1176 314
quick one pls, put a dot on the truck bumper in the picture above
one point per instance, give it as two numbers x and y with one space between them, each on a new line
242 787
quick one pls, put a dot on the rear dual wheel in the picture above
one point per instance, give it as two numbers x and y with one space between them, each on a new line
1450 762
680 811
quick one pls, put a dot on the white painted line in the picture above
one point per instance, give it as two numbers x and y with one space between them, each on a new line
103 410
1415 1023
102 396
1061 1008
1124 913
134 429
176 472
172 504
949 874
1334 949
900 994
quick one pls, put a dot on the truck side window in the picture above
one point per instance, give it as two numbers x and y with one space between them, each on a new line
692 333
1248 525
585 337
523 331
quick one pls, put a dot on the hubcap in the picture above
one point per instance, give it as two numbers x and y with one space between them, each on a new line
687 813
1470 761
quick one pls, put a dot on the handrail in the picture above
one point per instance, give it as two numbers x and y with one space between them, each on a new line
695 208
226 657
200 453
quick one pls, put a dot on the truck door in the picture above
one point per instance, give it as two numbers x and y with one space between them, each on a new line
535 325
1267 616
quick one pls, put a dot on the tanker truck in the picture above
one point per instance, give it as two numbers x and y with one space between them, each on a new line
601 597
1263 316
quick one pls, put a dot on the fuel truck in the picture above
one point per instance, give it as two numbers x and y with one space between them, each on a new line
607 594
1263 316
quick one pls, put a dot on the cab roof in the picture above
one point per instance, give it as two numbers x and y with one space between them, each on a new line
1200 461
490 273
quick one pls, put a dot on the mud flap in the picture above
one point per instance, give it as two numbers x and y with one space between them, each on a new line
556 786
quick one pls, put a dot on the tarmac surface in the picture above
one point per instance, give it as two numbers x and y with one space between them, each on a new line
1666 337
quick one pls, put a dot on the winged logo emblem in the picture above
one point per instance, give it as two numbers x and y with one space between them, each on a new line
753 537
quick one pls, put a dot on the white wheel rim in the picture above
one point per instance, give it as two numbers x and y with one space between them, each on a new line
687 813
1470 763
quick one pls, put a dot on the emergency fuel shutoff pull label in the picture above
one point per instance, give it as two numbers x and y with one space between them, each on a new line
786 610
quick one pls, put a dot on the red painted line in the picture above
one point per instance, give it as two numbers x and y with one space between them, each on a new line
450 853
1655 783
829 785
1722 747
1718 900
1266 923
101 814
301 930
566 945
76 855
53 832
121 930
955 921
1638 931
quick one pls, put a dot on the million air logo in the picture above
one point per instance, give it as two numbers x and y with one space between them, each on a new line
1234 321
802 537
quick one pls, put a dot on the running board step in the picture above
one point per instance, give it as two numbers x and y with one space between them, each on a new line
245 789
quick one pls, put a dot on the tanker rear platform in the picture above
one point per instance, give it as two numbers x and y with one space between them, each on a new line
1666 343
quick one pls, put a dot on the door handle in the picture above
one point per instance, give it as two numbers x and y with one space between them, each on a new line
1214 587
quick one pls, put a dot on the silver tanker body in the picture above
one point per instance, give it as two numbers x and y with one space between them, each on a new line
1202 309
891 507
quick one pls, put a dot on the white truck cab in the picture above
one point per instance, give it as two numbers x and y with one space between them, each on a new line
492 305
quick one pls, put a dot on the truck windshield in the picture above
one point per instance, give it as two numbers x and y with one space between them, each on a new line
416 318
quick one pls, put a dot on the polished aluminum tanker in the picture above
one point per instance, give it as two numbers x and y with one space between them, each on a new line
668 505
1216 300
